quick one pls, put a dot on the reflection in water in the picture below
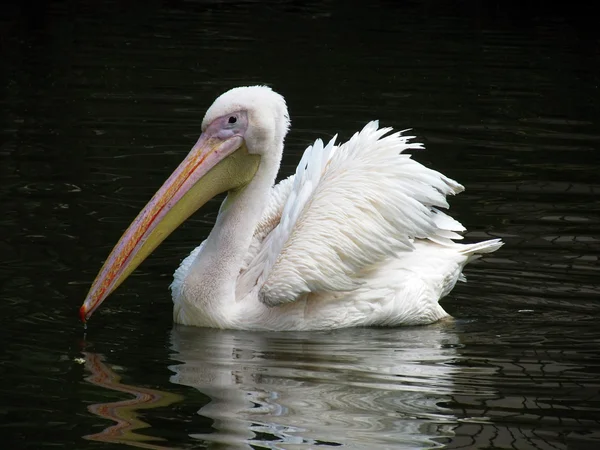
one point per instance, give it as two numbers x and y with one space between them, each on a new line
125 412
345 388
424 387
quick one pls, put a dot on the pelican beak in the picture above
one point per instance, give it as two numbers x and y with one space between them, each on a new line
214 165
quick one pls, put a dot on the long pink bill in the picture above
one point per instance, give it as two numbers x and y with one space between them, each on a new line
175 201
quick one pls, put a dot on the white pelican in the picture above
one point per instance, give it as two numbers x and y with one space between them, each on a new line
354 238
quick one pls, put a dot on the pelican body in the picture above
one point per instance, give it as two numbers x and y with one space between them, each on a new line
355 237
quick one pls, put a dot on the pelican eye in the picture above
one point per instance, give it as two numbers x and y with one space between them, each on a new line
232 119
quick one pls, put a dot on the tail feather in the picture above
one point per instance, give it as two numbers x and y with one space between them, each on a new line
473 251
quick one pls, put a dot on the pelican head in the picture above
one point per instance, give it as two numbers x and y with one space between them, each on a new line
242 127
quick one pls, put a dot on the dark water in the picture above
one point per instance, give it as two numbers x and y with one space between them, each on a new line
100 100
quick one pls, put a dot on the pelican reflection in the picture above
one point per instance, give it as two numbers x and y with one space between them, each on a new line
381 387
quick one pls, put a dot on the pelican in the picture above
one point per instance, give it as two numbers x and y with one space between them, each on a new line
355 237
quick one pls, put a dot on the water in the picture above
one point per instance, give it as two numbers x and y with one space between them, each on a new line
100 102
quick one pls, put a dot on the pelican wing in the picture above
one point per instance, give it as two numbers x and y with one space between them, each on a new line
347 208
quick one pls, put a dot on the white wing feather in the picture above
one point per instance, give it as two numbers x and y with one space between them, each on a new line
347 208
